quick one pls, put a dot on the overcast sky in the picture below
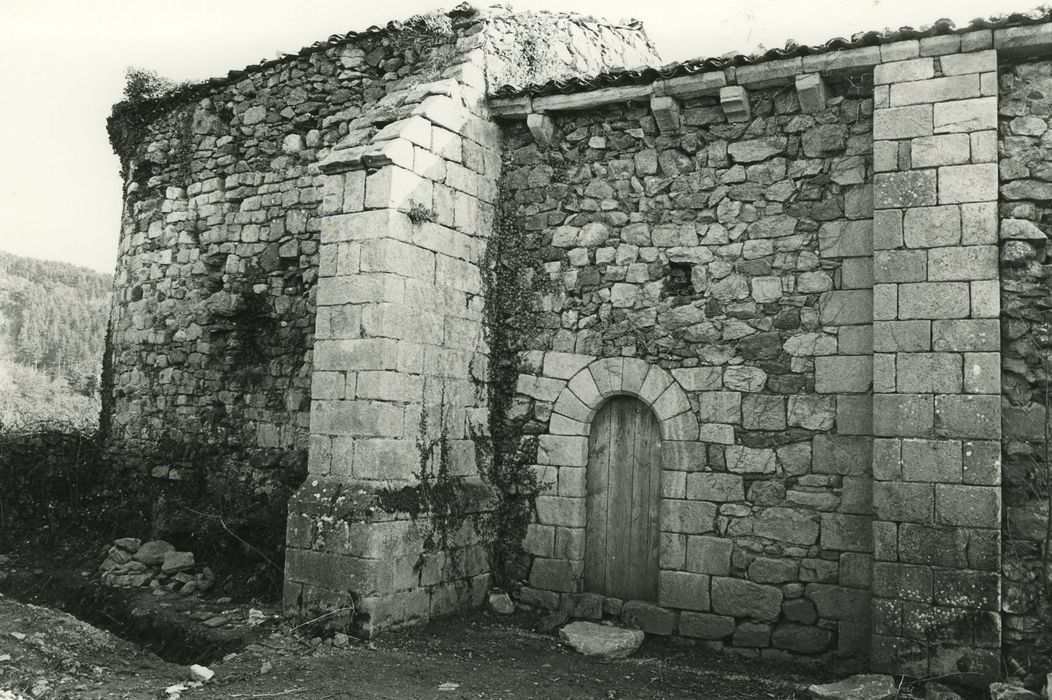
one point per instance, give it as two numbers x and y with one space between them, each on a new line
62 66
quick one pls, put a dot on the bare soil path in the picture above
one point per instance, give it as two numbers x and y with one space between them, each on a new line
476 655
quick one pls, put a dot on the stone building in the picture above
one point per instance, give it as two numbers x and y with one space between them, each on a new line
720 348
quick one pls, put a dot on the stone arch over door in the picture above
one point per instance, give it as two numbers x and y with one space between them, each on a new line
580 400
564 451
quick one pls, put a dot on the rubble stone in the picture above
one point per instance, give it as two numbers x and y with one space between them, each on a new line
604 641
153 553
867 686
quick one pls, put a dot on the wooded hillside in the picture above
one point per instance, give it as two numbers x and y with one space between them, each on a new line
52 334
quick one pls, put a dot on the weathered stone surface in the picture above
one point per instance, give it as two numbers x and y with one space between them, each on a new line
965 115
811 412
804 639
744 378
552 621
604 641
738 598
648 617
177 561
800 610
705 625
967 183
869 686
1010 691
837 602
765 570
937 691
752 634
756 150
583 606
747 460
1027 189
709 555
153 553
1026 196
902 122
1022 230
500 603
128 544
711 486
786 525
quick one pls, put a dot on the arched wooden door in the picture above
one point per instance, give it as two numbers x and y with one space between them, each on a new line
624 500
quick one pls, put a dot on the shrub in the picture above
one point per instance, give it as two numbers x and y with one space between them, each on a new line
49 479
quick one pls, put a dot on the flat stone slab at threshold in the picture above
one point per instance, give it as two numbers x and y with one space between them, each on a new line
606 641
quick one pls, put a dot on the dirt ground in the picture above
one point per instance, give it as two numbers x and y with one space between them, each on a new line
45 653
474 655
128 643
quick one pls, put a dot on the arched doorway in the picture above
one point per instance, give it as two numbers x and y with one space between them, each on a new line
624 501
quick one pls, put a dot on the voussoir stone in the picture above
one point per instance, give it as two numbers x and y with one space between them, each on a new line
605 641
865 686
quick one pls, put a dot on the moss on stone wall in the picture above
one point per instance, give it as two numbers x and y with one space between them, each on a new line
512 281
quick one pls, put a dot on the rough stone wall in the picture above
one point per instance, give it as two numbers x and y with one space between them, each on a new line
302 261
214 304
1026 344
399 451
730 264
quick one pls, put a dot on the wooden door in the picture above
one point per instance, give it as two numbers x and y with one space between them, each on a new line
624 500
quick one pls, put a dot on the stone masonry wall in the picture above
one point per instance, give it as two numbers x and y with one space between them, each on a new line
798 266
395 517
936 378
728 264
1025 143
213 312
394 500
302 265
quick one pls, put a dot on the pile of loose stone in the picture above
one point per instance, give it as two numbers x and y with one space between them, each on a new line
131 563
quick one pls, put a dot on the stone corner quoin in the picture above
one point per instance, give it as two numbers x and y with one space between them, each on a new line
814 277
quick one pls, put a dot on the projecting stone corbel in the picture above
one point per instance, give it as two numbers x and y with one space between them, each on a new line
735 102
542 128
812 91
666 113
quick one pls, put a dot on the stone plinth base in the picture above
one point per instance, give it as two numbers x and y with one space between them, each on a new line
374 559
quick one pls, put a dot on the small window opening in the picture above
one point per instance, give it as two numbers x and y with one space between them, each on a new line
678 286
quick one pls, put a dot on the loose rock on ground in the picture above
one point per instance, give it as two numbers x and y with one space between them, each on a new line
606 641
865 686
